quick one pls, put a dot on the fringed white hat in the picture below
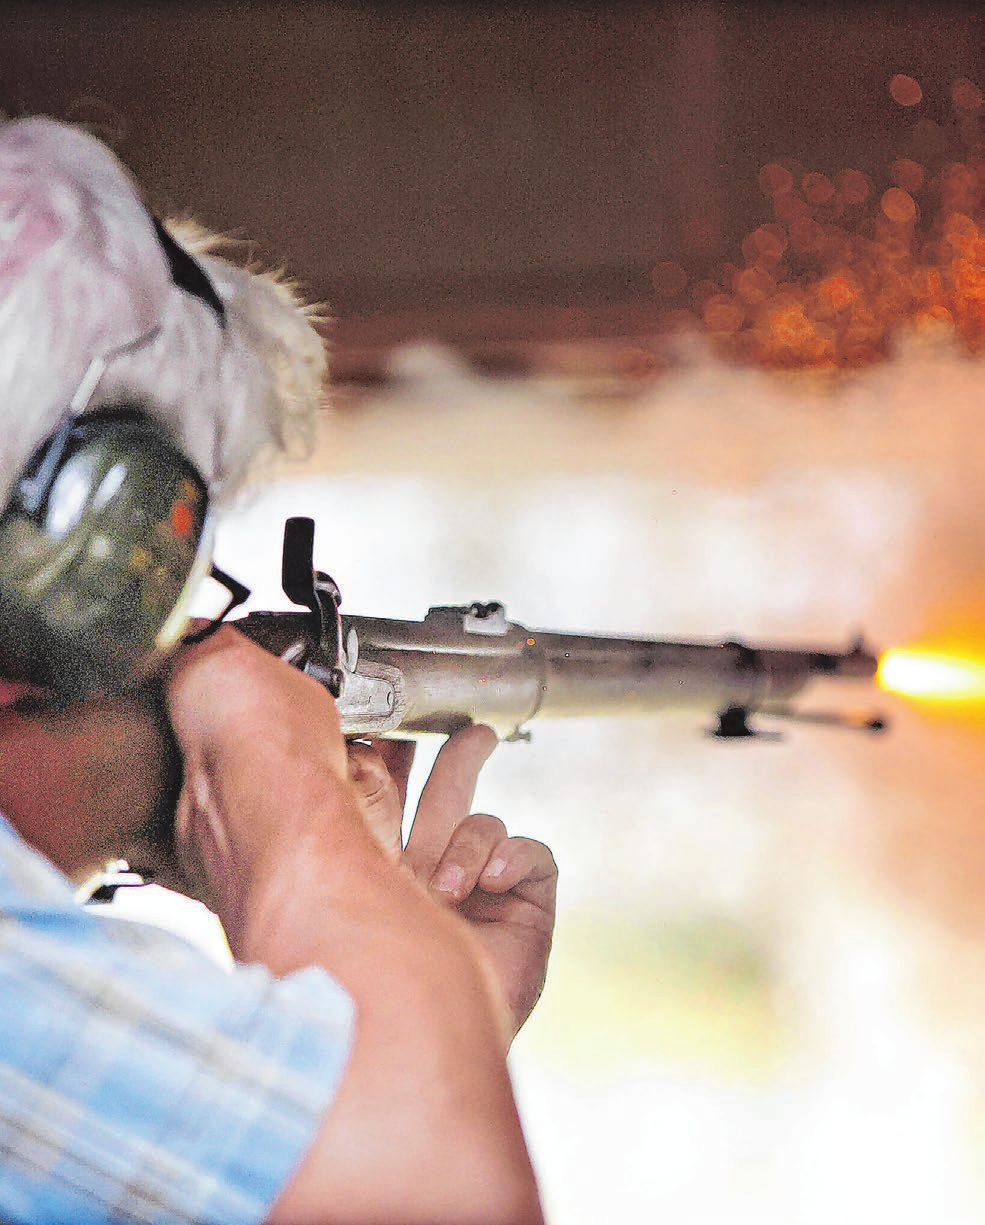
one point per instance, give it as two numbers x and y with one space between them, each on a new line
235 365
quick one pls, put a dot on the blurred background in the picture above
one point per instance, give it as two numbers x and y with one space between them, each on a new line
668 320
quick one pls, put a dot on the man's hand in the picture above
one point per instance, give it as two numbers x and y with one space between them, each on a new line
503 887
265 773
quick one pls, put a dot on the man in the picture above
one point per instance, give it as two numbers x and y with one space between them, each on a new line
353 1067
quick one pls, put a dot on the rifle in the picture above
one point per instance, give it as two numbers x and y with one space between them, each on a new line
470 664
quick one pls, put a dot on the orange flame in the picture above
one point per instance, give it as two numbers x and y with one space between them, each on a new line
932 676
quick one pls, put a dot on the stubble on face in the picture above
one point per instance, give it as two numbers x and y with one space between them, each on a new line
82 781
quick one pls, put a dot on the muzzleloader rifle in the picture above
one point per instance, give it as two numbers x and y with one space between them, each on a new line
470 664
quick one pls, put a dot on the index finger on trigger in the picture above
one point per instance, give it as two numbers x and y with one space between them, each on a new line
446 798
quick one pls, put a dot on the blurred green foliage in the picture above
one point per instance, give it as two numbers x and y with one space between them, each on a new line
696 991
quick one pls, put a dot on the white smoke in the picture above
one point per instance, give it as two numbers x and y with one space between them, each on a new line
713 502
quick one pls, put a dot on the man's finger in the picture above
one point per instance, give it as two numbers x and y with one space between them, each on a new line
467 855
521 862
378 794
398 757
446 799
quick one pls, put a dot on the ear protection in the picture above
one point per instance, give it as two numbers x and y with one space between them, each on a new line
103 542
105 538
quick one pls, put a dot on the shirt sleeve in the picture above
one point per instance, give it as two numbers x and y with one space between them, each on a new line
139 1080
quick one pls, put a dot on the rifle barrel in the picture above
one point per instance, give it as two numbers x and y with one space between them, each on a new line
468 664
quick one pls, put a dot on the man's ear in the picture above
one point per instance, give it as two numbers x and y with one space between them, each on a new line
29 222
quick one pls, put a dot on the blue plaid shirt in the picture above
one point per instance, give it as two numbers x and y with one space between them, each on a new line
139 1080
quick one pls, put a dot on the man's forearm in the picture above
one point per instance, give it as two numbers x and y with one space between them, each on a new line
424 1129
425 1126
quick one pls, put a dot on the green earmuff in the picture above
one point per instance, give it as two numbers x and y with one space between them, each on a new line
107 535
101 545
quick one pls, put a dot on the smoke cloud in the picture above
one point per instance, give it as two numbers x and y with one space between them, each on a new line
718 501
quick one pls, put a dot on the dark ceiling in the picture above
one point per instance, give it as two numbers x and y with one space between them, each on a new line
509 165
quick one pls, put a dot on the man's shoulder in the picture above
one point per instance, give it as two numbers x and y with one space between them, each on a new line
184 1084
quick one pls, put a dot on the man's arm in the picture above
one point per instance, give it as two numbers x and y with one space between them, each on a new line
424 1128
